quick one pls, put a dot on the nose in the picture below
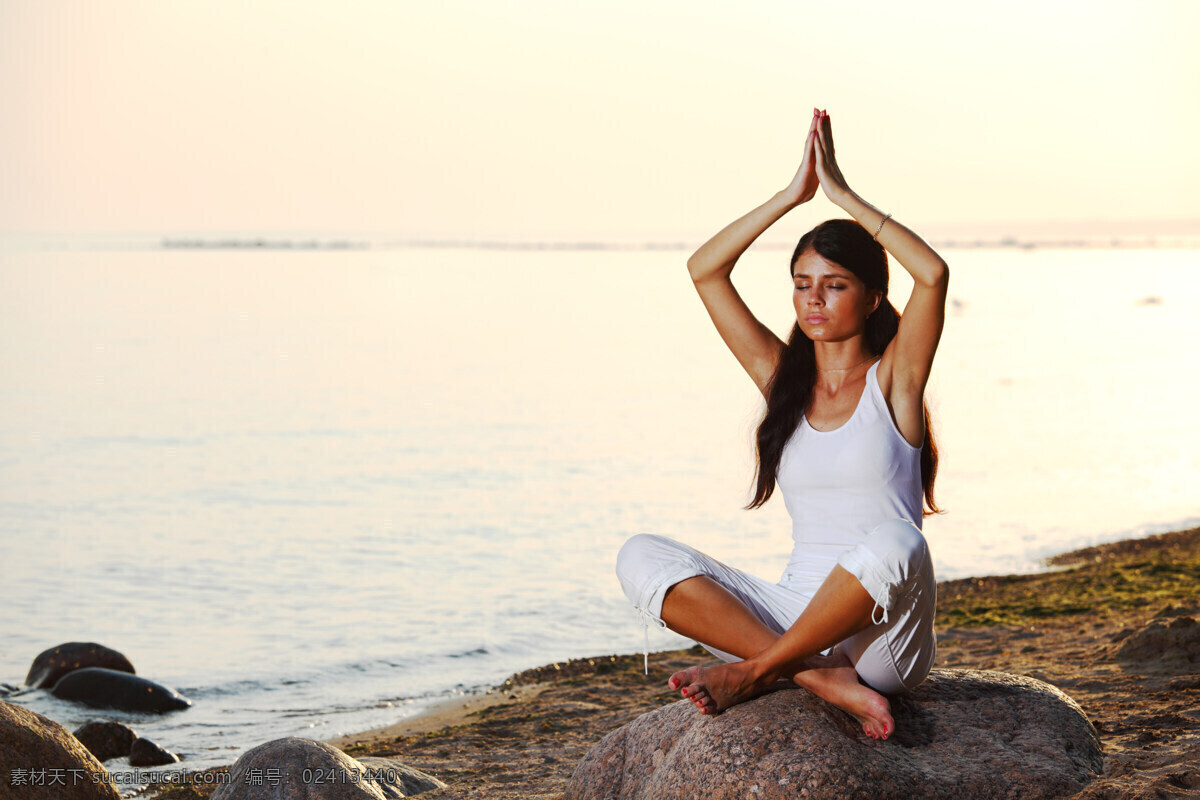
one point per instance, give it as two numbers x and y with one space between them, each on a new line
816 297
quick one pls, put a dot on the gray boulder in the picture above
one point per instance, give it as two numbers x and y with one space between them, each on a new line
52 664
962 733
41 760
397 779
145 753
107 688
106 740
302 769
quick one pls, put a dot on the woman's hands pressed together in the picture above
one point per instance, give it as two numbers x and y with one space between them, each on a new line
804 186
818 167
833 183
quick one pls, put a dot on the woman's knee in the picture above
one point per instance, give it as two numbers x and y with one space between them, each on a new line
637 550
890 563
643 556
899 542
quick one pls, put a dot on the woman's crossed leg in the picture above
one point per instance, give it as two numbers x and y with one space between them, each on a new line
712 603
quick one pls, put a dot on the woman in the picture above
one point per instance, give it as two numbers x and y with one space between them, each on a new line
846 436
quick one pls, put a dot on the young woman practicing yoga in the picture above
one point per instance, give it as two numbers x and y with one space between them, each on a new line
846 436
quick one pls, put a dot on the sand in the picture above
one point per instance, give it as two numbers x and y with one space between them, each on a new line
1080 627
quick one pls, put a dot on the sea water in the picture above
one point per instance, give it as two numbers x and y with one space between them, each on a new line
316 490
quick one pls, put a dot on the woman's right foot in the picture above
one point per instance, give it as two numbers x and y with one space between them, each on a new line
833 679
714 689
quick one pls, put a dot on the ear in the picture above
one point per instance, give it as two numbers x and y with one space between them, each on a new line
874 301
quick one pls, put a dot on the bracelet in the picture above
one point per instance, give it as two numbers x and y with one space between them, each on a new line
880 228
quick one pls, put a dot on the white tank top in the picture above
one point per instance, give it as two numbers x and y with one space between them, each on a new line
839 485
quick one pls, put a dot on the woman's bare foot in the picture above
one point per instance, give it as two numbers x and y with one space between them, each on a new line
714 689
833 679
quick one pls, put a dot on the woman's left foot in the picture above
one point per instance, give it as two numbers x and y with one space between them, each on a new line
833 679
714 689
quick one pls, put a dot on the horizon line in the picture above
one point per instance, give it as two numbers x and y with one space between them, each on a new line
158 241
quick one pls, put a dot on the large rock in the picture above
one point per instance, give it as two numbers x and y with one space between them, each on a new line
961 734
301 769
52 664
40 760
106 688
106 740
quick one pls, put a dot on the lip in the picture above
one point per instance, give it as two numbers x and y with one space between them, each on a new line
815 319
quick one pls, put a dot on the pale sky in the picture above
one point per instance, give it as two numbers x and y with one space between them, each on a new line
548 118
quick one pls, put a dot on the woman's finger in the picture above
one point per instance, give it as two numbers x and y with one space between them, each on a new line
826 131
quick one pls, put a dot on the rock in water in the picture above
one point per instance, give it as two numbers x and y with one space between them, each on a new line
106 740
52 664
106 688
961 734
40 760
145 753
301 769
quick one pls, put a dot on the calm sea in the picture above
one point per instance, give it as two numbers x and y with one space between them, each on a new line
317 490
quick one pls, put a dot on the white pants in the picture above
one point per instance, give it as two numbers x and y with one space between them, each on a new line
892 655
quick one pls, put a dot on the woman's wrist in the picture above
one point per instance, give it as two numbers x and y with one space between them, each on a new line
863 212
786 199
851 203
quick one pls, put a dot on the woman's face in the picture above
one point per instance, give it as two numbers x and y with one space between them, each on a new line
832 303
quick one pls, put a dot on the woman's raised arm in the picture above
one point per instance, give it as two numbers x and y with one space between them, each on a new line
907 361
754 345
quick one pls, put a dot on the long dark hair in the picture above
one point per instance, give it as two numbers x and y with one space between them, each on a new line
849 245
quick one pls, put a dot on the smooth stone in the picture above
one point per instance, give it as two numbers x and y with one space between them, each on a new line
106 740
961 734
106 688
302 769
52 664
403 780
33 748
145 753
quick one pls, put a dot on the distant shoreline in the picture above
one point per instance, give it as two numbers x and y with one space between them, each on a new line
1001 243
302 242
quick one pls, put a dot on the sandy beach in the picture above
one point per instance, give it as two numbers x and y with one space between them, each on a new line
1080 626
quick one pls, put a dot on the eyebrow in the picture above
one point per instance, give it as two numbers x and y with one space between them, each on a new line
833 276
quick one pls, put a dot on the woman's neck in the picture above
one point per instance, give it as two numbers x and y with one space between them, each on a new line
839 362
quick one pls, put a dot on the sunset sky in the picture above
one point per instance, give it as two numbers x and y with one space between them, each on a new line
545 118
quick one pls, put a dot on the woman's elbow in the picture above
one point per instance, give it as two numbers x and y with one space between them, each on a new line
705 270
698 270
937 276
